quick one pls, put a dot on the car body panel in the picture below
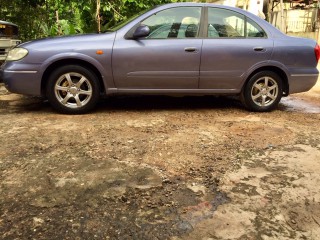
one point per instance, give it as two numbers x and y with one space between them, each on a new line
145 64
22 78
240 56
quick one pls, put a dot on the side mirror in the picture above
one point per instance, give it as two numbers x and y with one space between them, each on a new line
141 31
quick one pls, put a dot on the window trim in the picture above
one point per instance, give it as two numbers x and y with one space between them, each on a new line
203 26
205 33
128 35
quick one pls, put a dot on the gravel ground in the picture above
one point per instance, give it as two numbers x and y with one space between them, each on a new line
160 168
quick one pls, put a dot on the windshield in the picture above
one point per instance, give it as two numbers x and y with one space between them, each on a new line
8 31
119 25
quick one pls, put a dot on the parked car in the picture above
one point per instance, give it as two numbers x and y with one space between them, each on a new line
8 38
180 48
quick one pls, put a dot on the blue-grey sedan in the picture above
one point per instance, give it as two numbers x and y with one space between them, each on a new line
181 48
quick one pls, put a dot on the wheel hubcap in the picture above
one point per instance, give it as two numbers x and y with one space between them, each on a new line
73 90
264 91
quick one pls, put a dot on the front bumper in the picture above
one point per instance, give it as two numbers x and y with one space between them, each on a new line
21 78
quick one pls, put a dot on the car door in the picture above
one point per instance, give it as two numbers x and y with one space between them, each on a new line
234 44
169 58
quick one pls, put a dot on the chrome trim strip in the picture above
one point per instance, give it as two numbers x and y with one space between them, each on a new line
177 91
304 75
20 71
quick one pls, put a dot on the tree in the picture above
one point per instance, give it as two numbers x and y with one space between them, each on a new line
42 18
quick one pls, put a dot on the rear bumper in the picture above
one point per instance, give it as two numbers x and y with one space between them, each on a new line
302 82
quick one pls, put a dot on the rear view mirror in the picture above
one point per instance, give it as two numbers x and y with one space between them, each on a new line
141 31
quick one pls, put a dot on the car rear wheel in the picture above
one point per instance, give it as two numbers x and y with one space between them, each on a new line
262 92
73 89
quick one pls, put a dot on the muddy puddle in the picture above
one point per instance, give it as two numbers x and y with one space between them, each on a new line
297 104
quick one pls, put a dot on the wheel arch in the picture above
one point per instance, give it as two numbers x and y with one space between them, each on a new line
64 62
278 71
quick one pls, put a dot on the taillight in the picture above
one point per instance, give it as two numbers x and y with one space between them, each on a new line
317 52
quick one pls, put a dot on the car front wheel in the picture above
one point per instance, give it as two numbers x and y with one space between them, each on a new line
262 92
73 89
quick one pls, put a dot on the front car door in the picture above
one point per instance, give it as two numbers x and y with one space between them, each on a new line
169 58
235 44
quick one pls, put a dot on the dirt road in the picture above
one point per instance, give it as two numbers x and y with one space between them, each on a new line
160 168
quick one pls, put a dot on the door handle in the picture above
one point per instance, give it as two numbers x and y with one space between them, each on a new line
259 49
191 49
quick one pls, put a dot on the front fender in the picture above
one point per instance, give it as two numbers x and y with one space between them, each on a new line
100 62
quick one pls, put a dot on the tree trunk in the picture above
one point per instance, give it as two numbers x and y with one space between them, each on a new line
98 17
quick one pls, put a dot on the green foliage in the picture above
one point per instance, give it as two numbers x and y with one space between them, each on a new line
42 18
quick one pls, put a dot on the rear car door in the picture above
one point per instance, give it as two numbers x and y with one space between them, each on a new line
234 44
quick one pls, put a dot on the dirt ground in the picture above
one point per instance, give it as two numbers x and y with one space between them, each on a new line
160 168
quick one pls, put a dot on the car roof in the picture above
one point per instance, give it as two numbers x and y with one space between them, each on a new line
190 4
8 23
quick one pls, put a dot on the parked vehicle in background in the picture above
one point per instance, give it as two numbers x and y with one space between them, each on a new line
181 48
9 38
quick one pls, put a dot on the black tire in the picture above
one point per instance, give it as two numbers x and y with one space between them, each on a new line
73 89
263 92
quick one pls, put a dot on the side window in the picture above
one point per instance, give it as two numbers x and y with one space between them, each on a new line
225 23
180 22
229 24
254 30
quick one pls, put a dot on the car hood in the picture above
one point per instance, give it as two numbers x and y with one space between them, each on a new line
70 42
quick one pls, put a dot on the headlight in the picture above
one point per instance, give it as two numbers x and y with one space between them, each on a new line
16 54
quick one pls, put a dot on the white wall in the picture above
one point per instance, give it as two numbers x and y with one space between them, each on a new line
297 20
